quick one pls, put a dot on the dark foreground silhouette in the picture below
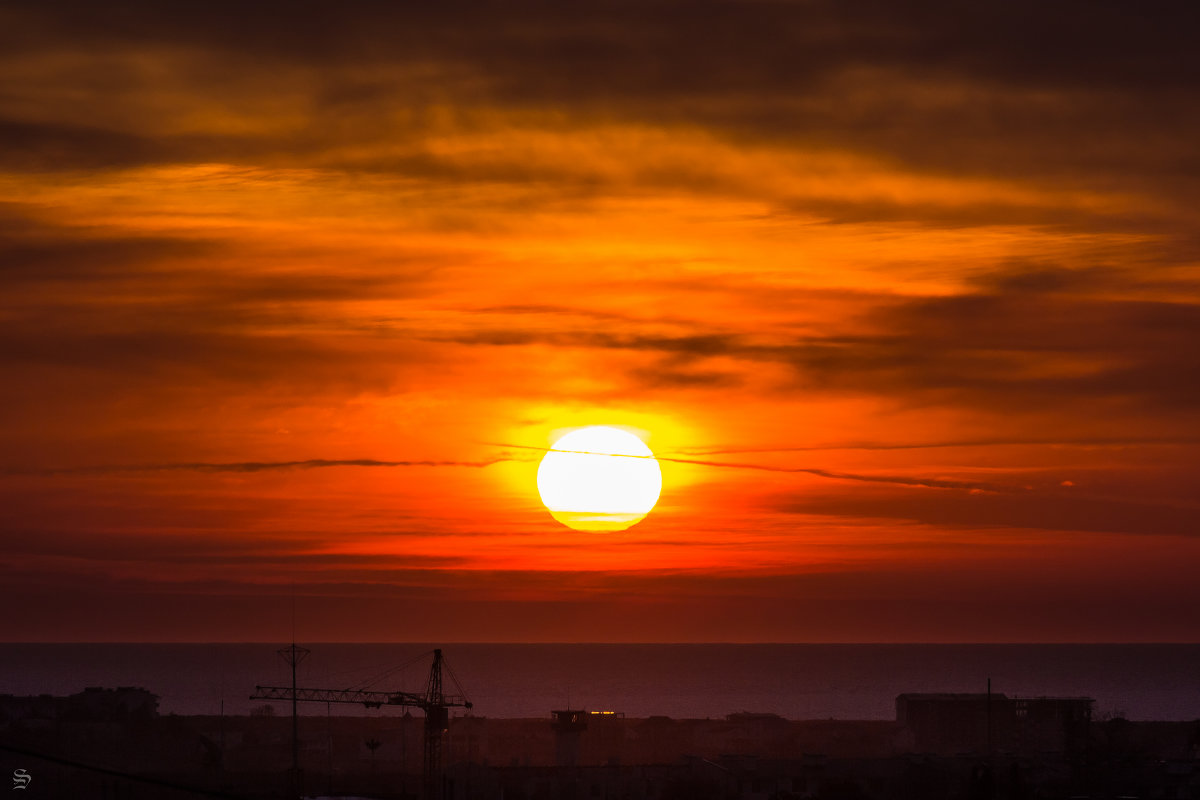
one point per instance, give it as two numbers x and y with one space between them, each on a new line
113 744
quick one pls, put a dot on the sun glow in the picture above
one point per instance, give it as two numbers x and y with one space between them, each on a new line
599 479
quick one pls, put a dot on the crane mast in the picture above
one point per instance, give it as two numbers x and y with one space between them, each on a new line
437 721
435 704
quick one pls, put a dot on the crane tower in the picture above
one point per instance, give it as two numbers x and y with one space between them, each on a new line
434 702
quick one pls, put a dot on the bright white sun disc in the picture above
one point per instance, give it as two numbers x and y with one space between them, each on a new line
599 478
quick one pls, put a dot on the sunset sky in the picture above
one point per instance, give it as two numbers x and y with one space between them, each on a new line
906 296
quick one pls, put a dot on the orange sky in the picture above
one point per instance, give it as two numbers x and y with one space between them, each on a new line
910 297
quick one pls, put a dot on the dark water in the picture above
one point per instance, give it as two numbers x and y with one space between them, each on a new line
798 681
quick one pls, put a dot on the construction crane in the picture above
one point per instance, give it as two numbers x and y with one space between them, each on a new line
434 702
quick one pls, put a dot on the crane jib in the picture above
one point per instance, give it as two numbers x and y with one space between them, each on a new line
369 699
433 702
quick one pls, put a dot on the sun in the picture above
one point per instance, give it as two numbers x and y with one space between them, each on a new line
599 478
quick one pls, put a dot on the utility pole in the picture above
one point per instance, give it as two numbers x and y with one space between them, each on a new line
221 763
293 656
329 730
989 718
991 745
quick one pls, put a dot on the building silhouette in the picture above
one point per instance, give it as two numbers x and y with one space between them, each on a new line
960 723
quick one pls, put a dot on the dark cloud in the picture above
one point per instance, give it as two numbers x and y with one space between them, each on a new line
33 252
1025 343
1114 442
1019 349
1039 511
1033 278
155 350
1078 94
667 378
256 466
252 466
247 567
188 272
40 146
132 308
696 346
690 44
72 543
974 603
31 550
900 480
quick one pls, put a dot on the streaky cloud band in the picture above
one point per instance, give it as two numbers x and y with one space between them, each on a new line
252 466
901 480
319 463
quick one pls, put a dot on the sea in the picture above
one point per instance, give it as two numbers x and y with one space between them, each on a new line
683 681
